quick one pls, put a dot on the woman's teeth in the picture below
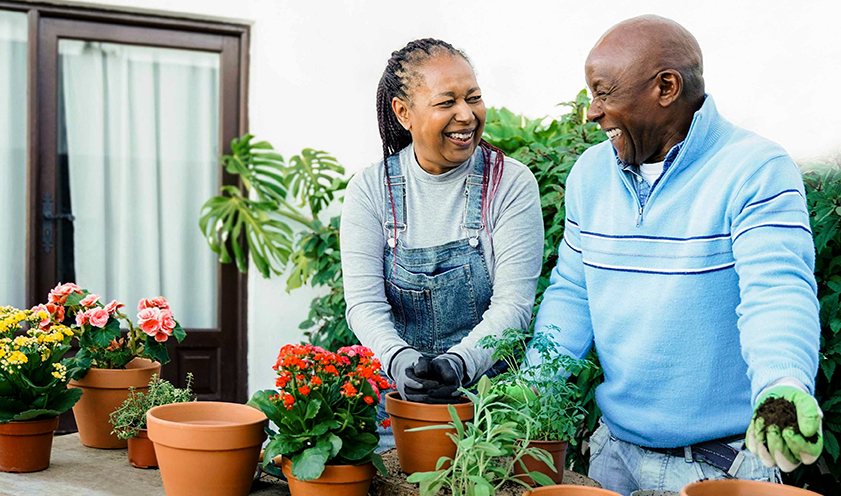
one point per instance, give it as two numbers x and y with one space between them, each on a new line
461 136
613 133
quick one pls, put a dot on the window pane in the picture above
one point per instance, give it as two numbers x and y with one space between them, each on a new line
13 158
138 146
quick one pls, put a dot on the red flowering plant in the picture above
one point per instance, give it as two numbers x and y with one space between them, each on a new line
324 407
99 329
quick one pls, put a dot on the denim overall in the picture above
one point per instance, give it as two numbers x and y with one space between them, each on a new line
437 294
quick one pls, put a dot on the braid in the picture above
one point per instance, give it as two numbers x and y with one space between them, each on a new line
400 75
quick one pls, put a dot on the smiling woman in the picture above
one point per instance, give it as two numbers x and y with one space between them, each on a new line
442 239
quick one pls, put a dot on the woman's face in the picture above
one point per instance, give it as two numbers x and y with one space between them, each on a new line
445 113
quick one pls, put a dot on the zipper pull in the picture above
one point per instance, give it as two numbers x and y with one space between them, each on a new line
639 217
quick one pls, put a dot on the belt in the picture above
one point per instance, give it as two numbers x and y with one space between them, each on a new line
717 453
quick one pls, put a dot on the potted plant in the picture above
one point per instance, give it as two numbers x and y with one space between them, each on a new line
488 448
33 385
129 420
107 365
325 410
550 404
736 487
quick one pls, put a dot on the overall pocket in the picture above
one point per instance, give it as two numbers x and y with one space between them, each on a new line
412 311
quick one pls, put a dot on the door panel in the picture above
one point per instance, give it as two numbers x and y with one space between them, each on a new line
132 121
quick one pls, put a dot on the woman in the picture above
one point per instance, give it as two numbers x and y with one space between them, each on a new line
442 240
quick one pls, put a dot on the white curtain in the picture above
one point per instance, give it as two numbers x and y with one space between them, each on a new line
12 158
142 133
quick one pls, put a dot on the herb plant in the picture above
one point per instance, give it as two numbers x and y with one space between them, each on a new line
324 407
33 379
554 412
130 417
488 448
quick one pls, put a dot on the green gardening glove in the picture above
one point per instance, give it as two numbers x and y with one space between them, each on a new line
787 449
518 394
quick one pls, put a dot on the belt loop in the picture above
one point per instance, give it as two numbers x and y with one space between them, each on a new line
737 462
687 454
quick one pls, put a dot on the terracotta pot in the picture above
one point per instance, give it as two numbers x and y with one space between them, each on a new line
25 445
103 391
569 490
736 487
557 449
206 447
420 451
347 480
141 451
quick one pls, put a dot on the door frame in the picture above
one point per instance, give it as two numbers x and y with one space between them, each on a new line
231 39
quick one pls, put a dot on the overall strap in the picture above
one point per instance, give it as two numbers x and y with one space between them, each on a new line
472 220
397 196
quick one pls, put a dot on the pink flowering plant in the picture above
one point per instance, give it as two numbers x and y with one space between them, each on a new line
99 329
324 407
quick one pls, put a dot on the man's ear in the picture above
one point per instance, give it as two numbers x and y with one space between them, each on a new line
670 85
401 110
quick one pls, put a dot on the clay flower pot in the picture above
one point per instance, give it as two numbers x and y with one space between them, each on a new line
347 480
25 445
420 451
103 391
557 449
206 447
569 491
736 487
141 451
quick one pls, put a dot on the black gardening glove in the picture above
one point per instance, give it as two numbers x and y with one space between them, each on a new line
449 370
410 371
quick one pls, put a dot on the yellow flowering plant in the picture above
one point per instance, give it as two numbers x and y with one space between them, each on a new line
33 379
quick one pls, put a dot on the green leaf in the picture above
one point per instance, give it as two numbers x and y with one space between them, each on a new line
830 443
359 446
75 299
155 351
179 332
541 478
309 464
65 400
313 405
281 445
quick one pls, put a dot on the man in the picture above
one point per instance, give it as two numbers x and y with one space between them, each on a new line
688 260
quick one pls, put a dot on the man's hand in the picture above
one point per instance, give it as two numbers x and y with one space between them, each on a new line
448 370
411 371
787 449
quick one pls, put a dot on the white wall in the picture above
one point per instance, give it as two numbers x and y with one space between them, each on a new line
773 67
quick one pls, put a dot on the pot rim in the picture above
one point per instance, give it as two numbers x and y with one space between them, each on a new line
397 407
567 489
118 378
226 434
759 486
153 413
29 427
335 474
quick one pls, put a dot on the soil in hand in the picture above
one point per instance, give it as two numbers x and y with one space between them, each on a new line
782 413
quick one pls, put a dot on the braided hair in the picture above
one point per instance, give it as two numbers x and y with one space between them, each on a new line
398 79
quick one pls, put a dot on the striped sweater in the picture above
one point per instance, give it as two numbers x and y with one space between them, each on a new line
697 300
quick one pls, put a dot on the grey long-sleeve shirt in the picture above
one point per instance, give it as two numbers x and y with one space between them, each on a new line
435 204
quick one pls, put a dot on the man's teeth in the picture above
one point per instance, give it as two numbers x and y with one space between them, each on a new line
461 136
613 133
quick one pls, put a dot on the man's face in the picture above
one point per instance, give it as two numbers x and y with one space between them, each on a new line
625 103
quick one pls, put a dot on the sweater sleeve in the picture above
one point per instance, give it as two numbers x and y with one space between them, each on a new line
564 313
517 249
362 243
774 252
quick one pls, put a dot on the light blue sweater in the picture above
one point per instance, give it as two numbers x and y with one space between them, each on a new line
699 300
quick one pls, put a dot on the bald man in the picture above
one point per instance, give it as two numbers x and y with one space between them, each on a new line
688 261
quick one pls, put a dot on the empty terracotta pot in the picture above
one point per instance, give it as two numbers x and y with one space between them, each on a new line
103 391
569 491
557 449
736 487
420 451
141 451
25 445
347 480
206 447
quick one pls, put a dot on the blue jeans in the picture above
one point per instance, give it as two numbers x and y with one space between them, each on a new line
624 467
